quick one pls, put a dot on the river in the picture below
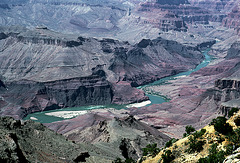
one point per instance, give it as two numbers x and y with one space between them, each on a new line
66 113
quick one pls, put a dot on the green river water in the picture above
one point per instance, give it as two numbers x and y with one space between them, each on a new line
155 99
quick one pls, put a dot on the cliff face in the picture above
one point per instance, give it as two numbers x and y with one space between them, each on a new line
143 64
40 96
165 20
175 14
227 83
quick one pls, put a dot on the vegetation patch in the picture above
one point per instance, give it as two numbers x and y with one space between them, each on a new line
170 142
215 155
232 111
221 126
151 149
168 157
188 129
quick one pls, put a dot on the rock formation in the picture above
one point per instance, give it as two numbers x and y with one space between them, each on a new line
31 141
124 136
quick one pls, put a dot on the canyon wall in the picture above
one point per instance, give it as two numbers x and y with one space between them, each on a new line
46 70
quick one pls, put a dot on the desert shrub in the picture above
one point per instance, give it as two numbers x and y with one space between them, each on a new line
167 157
188 129
151 149
221 126
233 110
199 134
170 142
215 155
195 145
234 138
229 149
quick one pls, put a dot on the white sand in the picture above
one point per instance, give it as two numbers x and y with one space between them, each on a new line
182 76
33 118
138 105
66 114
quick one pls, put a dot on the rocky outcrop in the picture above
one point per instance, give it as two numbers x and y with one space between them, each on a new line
122 95
234 158
228 83
30 142
227 106
124 136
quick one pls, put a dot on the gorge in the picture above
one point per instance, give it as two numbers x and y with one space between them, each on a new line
106 78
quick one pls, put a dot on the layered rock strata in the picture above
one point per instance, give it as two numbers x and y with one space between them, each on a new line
233 19
45 70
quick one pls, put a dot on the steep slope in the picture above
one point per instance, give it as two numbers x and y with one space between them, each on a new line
32 142
213 143
123 136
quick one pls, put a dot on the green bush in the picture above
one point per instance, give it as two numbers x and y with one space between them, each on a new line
168 157
195 145
199 134
233 110
188 129
234 138
215 156
221 126
229 149
151 149
170 142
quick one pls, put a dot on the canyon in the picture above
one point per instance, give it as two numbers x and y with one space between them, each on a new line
69 54
66 72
